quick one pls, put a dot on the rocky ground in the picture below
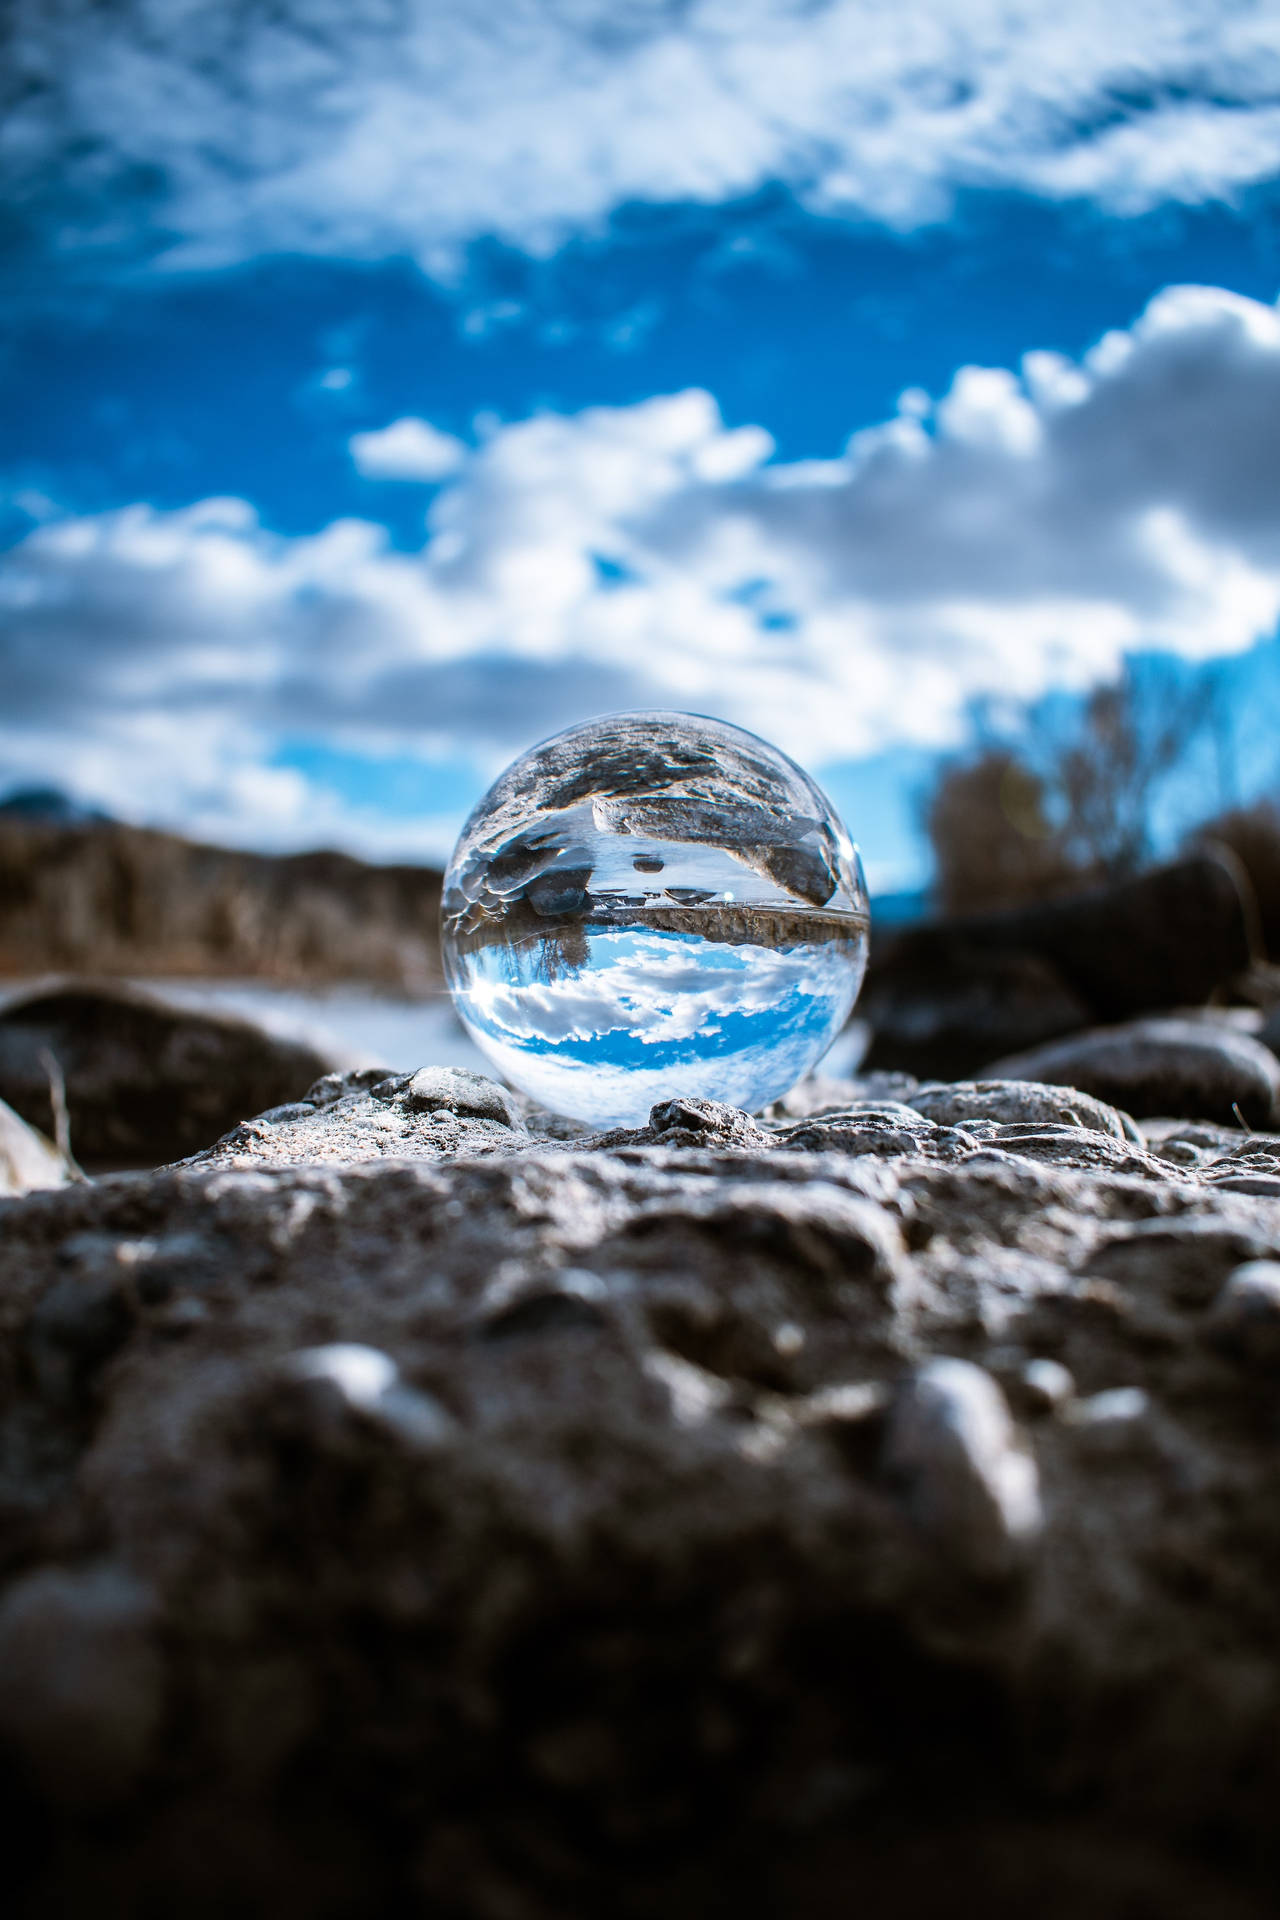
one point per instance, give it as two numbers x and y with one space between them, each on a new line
413 1506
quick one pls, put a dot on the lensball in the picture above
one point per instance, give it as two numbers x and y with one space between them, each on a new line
653 905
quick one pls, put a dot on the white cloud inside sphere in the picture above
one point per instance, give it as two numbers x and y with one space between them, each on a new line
1022 532
751 1017
407 450
217 134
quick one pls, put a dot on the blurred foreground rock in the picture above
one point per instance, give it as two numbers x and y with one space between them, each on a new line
147 1080
943 999
872 1508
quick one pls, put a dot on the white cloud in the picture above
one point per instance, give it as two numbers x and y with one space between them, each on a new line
643 556
370 131
407 450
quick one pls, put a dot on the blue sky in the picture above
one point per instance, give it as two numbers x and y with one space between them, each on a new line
384 388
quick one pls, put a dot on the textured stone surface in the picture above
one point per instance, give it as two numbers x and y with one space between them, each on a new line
1012 1102
436 1113
405 1511
146 1080
1194 1068
1245 1317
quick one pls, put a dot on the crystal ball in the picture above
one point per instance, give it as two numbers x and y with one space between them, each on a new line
653 905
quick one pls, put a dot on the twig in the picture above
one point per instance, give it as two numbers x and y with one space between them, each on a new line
61 1117
1235 1108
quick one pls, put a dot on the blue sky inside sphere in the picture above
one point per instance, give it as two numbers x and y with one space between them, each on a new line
386 389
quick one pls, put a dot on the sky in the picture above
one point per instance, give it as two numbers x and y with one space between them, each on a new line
385 385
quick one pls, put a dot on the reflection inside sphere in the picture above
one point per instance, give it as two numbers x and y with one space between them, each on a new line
653 905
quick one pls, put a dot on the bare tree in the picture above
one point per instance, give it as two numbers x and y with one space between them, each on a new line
1253 835
992 840
1132 735
1049 807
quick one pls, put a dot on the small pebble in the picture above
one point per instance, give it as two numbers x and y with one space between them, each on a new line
367 1381
711 1117
74 1329
1117 1407
362 1375
967 1479
1245 1317
696 1396
183 1315
81 1682
456 1091
570 1302
1179 1153
850 1403
1265 1185
1047 1385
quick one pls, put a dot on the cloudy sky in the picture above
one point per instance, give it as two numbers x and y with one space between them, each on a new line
388 383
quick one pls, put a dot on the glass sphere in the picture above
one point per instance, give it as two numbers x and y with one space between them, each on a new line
653 905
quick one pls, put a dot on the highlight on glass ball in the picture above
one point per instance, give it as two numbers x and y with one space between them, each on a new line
653 905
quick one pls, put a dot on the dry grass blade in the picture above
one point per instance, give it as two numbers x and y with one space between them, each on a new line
61 1116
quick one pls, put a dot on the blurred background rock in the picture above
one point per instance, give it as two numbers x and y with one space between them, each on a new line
261 973
93 895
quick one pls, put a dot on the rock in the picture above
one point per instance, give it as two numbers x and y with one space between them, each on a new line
452 1090
78 892
695 1122
1047 1385
944 998
967 1478
27 1159
1266 1183
818 1093
532 1307
1269 1030
1169 937
889 1129
407 1511
332 1087
1217 1149
942 1013
360 1376
1109 1419
81 1682
78 1324
355 1121
1248 1020
146 1080
367 1114
1068 1146
1245 1317
348 1378
1116 1407
1014 1102
1181 1068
